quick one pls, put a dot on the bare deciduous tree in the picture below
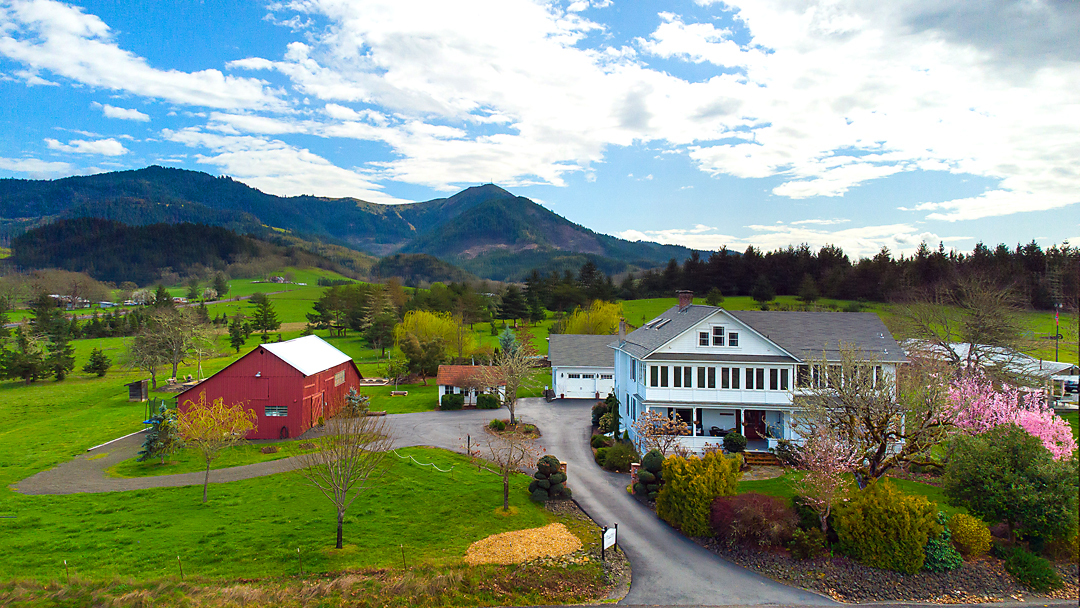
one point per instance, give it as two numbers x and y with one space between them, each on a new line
858 399
349 457
209 428
505 454
655 431
512 368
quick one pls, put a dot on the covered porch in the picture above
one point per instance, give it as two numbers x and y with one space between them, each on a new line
763 428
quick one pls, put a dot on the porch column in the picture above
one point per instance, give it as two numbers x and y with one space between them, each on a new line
693 423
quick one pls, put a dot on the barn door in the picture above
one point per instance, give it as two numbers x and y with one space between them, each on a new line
316 408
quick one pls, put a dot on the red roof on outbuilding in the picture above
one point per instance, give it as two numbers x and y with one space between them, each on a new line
459 375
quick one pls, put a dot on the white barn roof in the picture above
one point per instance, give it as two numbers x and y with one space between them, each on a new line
308 354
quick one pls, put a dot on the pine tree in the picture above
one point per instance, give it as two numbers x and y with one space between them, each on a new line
162 298
61 358
98 363
513 305
265 318
204 314
163 436
221 284
238 334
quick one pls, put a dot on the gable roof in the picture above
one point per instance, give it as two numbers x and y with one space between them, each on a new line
805 335
808 335
652 336
458 375
308 354
580 350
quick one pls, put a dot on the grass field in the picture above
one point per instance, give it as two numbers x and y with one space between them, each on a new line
783 487
253 528
189 461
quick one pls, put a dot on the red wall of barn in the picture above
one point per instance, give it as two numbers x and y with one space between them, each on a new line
276 384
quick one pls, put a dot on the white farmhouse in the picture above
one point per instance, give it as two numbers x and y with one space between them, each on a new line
582 366
723 371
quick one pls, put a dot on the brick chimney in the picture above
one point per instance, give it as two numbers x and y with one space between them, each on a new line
686 298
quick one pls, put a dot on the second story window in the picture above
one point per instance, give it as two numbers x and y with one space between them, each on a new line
718 336
654 375
733 338
703 338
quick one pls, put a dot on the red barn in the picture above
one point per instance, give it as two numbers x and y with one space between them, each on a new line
288 384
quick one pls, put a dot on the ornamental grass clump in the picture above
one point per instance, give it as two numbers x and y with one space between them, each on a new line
884 528
691 484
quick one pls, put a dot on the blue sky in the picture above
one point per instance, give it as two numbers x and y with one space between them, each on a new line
774 122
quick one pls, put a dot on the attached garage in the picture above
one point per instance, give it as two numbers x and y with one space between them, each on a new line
582 366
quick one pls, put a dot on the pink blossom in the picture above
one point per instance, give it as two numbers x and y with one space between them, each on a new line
978 407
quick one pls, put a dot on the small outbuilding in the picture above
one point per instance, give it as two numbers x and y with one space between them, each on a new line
138 390
289 385
582 366
463 380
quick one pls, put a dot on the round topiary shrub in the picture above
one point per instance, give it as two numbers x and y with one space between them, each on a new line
601 456
650 474
549 479
734 442
970 535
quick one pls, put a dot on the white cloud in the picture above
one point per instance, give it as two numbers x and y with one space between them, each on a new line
62 39
121 113
105 147
864 241
276 167
35 168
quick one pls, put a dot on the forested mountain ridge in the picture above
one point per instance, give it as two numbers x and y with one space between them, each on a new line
487 230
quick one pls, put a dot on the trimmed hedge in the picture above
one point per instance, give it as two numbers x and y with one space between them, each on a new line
691 484
487 402
969 534
452 402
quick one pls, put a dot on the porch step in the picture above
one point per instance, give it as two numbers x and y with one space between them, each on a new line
761 459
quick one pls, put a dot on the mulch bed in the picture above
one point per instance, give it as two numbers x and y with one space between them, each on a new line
844 580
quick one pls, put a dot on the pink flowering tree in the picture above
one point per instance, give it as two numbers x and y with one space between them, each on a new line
827 463
979 407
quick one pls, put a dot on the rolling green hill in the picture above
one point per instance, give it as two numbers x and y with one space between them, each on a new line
485 229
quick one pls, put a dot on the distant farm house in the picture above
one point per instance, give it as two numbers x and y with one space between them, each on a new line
289 385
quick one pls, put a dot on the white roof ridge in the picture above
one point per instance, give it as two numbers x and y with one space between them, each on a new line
307 354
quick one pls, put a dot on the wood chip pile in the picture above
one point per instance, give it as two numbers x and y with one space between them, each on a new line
523 545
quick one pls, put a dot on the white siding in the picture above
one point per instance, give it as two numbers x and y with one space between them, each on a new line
587 385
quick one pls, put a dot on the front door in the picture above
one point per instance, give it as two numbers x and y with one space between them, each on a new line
754 424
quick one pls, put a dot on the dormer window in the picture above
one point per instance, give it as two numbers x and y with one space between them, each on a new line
703 338
718 336
733 339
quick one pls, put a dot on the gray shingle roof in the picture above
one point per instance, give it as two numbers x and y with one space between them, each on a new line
644 340
804 334
809 334
580 350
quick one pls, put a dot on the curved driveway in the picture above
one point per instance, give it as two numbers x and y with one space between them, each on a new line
667 568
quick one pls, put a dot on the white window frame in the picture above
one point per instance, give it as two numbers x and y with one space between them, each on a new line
276 411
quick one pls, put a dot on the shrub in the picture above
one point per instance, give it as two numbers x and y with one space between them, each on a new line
787 452
753 519
940 554
619 457
607 423
452 402
601 455
270 449
969 534
1007 475
497 425
807 544
549 481
650 475
599 410
885 528
600 441
690 485
734 442
487 402
1032 571
810 520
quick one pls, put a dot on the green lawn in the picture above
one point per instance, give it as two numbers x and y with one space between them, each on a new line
1073 418
783 487
189 461
253 528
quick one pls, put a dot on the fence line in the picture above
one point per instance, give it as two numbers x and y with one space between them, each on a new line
423 464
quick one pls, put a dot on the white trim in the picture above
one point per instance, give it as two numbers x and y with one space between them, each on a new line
115 440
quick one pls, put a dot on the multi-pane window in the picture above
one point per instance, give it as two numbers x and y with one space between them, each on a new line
701 377
588 375
718 336
276 410
339 378
712 377
605 376
575 376
733 338
703 338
